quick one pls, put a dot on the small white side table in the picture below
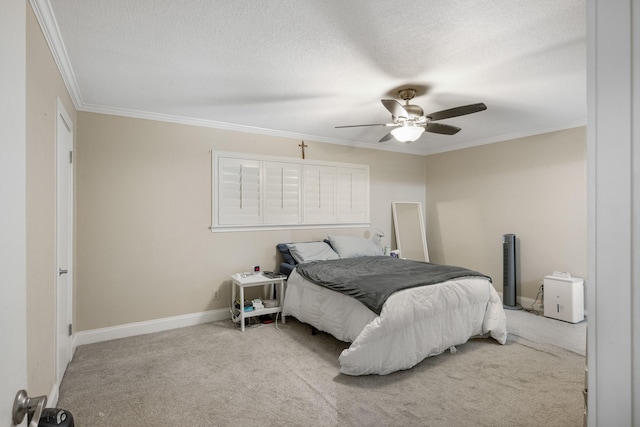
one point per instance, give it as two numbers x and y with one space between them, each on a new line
241 282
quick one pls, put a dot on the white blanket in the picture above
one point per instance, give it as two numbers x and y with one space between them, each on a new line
414 324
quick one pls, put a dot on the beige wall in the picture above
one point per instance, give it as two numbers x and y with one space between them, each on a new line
144 248
145 251
533 187
44 87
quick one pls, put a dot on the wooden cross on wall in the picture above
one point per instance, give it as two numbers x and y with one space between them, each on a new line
303 146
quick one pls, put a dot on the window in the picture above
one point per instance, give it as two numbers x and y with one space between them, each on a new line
282 193
239 195
319 194
264 192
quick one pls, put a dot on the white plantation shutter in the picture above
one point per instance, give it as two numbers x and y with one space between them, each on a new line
239 191
258 191
319 194
352 195
281 193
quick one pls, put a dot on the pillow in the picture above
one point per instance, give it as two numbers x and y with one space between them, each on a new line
312 251
354 247
284 250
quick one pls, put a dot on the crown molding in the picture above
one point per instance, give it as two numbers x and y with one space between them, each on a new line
48 24
191 121
508 137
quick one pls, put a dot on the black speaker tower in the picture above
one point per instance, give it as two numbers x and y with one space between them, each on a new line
509 260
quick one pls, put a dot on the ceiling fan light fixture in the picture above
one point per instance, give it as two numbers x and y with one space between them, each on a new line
407 133
410 122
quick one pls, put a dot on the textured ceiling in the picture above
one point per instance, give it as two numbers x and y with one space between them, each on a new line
298 68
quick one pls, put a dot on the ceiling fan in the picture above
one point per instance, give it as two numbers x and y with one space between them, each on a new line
410 122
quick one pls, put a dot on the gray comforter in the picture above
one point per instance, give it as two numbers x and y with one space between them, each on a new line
371 280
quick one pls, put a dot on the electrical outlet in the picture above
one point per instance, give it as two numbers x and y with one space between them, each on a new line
216 294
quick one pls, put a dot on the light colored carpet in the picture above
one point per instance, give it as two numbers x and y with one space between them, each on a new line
572 336
214 375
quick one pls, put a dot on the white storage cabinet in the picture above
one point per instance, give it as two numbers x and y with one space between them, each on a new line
564 298
241 281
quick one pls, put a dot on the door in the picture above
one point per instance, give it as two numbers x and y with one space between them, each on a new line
64 221
13 234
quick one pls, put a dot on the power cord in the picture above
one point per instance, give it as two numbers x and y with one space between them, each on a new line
540 296
281 327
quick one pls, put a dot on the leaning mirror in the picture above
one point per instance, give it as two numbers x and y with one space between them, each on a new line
409 228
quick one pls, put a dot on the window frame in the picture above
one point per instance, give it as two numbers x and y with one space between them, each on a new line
350 201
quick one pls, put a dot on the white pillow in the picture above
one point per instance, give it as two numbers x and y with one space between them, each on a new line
311 251
354 247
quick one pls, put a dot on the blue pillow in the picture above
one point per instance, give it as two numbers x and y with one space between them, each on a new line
284 250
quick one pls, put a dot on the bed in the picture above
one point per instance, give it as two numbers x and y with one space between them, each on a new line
334 286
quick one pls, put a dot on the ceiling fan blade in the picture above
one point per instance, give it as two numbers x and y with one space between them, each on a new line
386 137
375 124
395 108
457 111
442 128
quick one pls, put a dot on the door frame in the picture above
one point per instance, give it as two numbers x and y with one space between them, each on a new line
64 297
13 190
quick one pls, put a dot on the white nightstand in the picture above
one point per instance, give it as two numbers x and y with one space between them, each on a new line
242 281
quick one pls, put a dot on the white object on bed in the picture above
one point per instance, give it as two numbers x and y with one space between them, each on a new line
354 247
414 323
311 251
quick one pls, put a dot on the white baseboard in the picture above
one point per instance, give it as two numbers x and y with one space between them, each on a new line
148 327
52 399
524 301
527 302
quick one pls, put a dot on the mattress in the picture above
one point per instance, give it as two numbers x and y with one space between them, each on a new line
414 323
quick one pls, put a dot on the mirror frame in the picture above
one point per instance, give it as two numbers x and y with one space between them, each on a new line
410 228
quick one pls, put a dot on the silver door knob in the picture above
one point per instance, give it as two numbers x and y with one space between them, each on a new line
23 405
